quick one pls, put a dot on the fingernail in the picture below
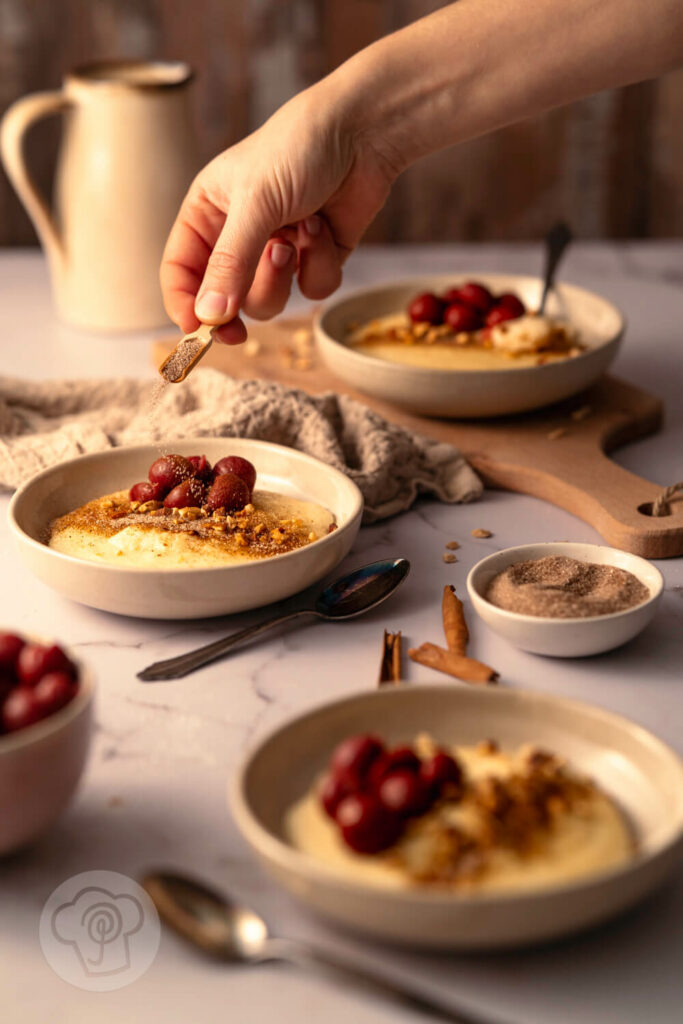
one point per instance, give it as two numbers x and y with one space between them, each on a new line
313 225
280 254
211 306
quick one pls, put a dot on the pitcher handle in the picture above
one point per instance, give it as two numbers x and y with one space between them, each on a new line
15 123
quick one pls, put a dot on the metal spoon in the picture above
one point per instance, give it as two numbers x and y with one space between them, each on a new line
556 241
348 596
236 934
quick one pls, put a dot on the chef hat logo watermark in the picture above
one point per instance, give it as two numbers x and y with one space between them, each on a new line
99 931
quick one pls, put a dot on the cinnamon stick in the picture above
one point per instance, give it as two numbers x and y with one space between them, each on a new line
454 625
390 667
453 664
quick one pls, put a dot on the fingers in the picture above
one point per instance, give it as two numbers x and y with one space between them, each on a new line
233 333
233 260
273 280
182 267
320 260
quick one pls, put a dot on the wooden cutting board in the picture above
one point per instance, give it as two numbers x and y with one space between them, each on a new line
547 454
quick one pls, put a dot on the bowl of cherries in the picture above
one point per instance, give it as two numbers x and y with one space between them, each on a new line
45 724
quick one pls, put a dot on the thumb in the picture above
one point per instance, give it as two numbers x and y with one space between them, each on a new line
232 264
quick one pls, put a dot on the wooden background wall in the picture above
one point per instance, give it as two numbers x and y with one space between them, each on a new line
612 164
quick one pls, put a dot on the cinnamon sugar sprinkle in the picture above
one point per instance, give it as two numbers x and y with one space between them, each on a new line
252 530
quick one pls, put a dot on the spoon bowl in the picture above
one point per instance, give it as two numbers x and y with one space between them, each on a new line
362 589
204 917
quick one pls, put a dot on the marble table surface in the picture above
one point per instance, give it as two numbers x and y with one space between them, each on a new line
154 791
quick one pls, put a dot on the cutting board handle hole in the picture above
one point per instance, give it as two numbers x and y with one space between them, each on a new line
646 510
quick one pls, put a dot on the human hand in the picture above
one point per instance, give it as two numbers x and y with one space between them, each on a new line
293 197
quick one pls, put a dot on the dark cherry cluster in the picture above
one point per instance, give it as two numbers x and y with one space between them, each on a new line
468 308
181 482
35 681
371 791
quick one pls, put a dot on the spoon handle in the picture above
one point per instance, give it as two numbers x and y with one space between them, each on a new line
304 956
175 668
556 241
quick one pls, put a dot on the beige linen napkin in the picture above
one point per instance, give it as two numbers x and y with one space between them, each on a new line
45 422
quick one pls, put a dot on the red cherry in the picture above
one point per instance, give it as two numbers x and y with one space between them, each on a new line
355 754
426 307
146 491
229 492
189 494
498 315
201 467
7 682
460 317
441 771
242 468
476 295
366 825
170 470
35 661
20 709
511 301
405 793
53 691
398 759
10 646
334 787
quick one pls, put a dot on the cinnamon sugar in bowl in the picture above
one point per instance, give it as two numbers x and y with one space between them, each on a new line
566 634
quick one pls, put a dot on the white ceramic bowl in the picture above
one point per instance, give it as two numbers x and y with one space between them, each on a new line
565 638
632 765
182 593
470 393
40 766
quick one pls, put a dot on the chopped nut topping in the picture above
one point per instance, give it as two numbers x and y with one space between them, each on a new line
488 747
303 338
312 536
252 347
150 506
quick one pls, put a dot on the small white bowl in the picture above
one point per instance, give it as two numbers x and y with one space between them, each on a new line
565 638
182 593
639 771
470 393
40 766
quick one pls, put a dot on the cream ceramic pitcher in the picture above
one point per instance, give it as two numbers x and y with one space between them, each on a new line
126 159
